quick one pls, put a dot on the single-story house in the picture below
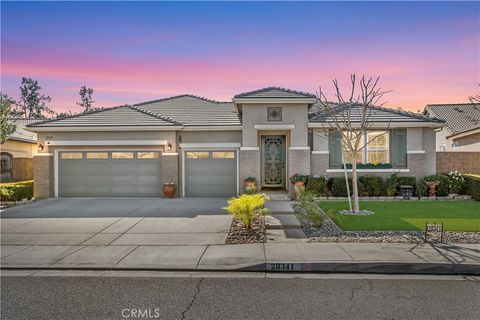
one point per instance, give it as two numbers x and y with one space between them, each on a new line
208 148
461 132
17 153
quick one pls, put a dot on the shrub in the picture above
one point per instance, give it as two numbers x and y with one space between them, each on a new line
456 182
371 186
16 191
392 182
298 178
443 187
338 187
247 207
317 185
472 186
422 189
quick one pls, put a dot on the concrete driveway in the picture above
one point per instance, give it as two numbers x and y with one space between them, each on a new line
116 222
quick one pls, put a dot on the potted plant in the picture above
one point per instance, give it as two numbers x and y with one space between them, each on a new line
250 185
298 181
168 189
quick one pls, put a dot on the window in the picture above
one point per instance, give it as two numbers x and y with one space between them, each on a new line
198 155
122 155
97 155
148 155
376 150
223 155
6 167
72 155
274 114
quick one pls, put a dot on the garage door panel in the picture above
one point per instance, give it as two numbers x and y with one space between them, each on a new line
223 179
198 179
109 176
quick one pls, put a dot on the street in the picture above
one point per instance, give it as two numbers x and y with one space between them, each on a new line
137 295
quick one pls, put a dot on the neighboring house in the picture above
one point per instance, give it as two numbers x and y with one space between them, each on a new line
17 153
462 126
208 148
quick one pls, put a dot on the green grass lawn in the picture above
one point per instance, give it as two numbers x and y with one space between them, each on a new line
407 215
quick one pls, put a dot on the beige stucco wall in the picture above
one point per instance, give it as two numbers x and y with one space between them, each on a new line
469 143
19 149
210 136
292 114
319 140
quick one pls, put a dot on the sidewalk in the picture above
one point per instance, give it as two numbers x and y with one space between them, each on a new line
309 257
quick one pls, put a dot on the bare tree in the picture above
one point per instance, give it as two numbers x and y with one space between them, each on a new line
475 98
352 117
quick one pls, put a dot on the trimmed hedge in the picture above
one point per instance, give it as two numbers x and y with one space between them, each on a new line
317 185
371 186
338 187
472 186
16 191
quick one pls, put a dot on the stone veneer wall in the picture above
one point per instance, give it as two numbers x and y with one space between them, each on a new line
416 162
170 172
22 169
43 186
466 162
298 162
249 166
319 164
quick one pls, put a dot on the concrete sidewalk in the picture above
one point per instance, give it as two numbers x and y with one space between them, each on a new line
310 257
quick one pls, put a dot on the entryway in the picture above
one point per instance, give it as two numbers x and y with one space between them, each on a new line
273 162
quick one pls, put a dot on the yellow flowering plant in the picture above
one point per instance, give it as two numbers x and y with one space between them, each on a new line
246 207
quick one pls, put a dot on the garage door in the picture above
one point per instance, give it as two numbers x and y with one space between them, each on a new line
109 173
210 173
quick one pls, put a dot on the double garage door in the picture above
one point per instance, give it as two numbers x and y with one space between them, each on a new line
109 173
210 173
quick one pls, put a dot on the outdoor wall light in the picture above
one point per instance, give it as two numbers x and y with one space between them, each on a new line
40 147
169 147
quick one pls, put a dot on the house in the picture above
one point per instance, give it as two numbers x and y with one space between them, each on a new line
17 153
462 126
208 148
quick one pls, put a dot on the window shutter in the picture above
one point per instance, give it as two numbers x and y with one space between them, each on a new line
335 149
398 148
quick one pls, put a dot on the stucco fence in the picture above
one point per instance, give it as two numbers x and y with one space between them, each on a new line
465 162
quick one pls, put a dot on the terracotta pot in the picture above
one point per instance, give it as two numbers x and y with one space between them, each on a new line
250 184
300 184
168 190
299 188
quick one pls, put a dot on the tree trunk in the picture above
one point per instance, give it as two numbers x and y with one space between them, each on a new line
356 204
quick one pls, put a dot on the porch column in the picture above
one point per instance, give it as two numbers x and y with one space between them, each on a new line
170 170
298 162
43 185
249 166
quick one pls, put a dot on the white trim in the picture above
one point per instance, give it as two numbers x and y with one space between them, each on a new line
108 143
415 151
43 155
380 125
170 154
274 126
274 100
320 152
213 128
209 145
106 128
249 148
368 170
55 172
299 148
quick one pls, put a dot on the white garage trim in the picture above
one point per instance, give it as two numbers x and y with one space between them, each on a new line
108 143
237 155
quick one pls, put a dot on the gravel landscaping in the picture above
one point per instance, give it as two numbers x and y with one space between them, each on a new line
238 234
330 232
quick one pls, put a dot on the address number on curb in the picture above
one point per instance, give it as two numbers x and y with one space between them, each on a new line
289 267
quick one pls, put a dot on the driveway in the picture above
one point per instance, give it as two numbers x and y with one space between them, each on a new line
115 222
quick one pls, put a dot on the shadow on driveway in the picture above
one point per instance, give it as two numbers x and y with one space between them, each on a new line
88 207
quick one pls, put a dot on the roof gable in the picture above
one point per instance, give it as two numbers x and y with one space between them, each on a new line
460 117
275 92
111 117
319 114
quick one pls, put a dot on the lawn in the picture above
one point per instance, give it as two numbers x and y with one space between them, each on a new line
407 215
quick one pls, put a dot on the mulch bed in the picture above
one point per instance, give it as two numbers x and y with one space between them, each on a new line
239 235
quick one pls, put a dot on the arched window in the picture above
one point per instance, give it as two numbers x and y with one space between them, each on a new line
6 161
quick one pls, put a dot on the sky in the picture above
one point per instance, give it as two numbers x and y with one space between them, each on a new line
129 52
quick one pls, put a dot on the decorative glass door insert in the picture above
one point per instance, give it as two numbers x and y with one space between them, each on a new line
273 161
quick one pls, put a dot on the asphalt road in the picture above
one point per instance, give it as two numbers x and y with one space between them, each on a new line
53 297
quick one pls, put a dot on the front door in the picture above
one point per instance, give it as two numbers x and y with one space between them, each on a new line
273 161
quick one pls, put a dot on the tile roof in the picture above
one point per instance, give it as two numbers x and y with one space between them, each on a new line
194 111
20 133
275 92
459 117
378 114
116 116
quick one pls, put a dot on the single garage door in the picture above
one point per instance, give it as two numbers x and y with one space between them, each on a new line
210 173
109 173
